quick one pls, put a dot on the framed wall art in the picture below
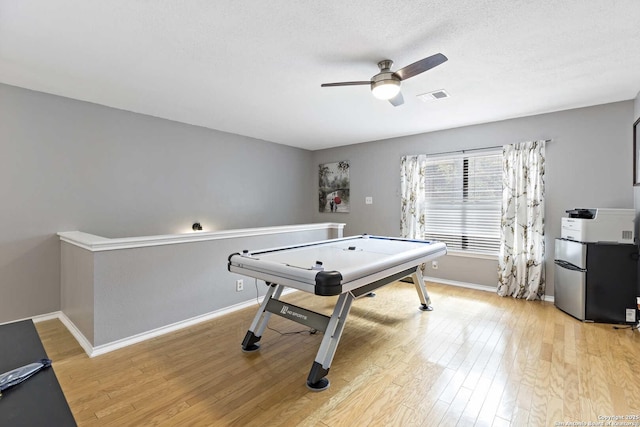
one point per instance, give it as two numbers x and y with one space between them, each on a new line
333 187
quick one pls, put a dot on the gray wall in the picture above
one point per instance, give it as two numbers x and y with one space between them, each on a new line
588 165
71 165
116 294
138 290
77 302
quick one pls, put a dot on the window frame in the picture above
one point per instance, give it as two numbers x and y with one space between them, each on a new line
465 248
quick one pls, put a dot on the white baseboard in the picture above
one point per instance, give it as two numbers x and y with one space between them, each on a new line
92 351
82 340
45 317
36 319
485 288
461 284
115 345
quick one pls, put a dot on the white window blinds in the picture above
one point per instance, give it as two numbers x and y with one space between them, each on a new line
464 194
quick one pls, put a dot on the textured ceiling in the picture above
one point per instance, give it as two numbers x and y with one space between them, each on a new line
255 67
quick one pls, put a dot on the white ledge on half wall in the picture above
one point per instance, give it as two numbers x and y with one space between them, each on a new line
95 243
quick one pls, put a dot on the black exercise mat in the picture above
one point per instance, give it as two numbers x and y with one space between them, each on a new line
39 400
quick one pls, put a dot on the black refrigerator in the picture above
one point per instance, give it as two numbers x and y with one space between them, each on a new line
596 282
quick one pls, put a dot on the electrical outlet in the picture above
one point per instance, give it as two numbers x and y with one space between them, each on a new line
368 200
434 265
239 285
631 315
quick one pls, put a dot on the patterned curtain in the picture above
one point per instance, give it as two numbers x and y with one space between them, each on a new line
521 259
412 187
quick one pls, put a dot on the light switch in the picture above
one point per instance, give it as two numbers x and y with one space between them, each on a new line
368 200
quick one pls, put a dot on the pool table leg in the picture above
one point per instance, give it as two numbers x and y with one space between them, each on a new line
250 342
418 281
316 380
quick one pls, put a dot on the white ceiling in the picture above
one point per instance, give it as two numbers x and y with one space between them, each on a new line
255 67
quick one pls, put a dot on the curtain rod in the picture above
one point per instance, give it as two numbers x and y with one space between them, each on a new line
472 149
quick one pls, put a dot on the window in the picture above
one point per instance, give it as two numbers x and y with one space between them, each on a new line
463 201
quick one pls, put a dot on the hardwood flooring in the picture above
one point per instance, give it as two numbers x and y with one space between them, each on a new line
476 360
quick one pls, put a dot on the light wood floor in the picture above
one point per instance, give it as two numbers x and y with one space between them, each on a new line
477 359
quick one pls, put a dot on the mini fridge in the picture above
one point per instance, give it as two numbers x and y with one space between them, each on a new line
596 282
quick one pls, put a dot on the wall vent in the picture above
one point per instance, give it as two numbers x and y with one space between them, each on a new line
434 96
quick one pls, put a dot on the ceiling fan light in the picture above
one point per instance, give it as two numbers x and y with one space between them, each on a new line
385 89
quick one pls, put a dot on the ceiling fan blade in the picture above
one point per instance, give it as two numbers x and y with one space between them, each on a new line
345 84
421 66
397 100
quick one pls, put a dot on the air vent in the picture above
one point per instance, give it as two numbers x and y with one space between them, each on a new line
434 96
627 234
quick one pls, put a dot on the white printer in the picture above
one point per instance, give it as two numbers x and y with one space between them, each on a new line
599 225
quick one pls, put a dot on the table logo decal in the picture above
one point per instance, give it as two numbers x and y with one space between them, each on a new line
285 310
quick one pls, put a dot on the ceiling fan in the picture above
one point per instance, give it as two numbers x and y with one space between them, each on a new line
386 84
